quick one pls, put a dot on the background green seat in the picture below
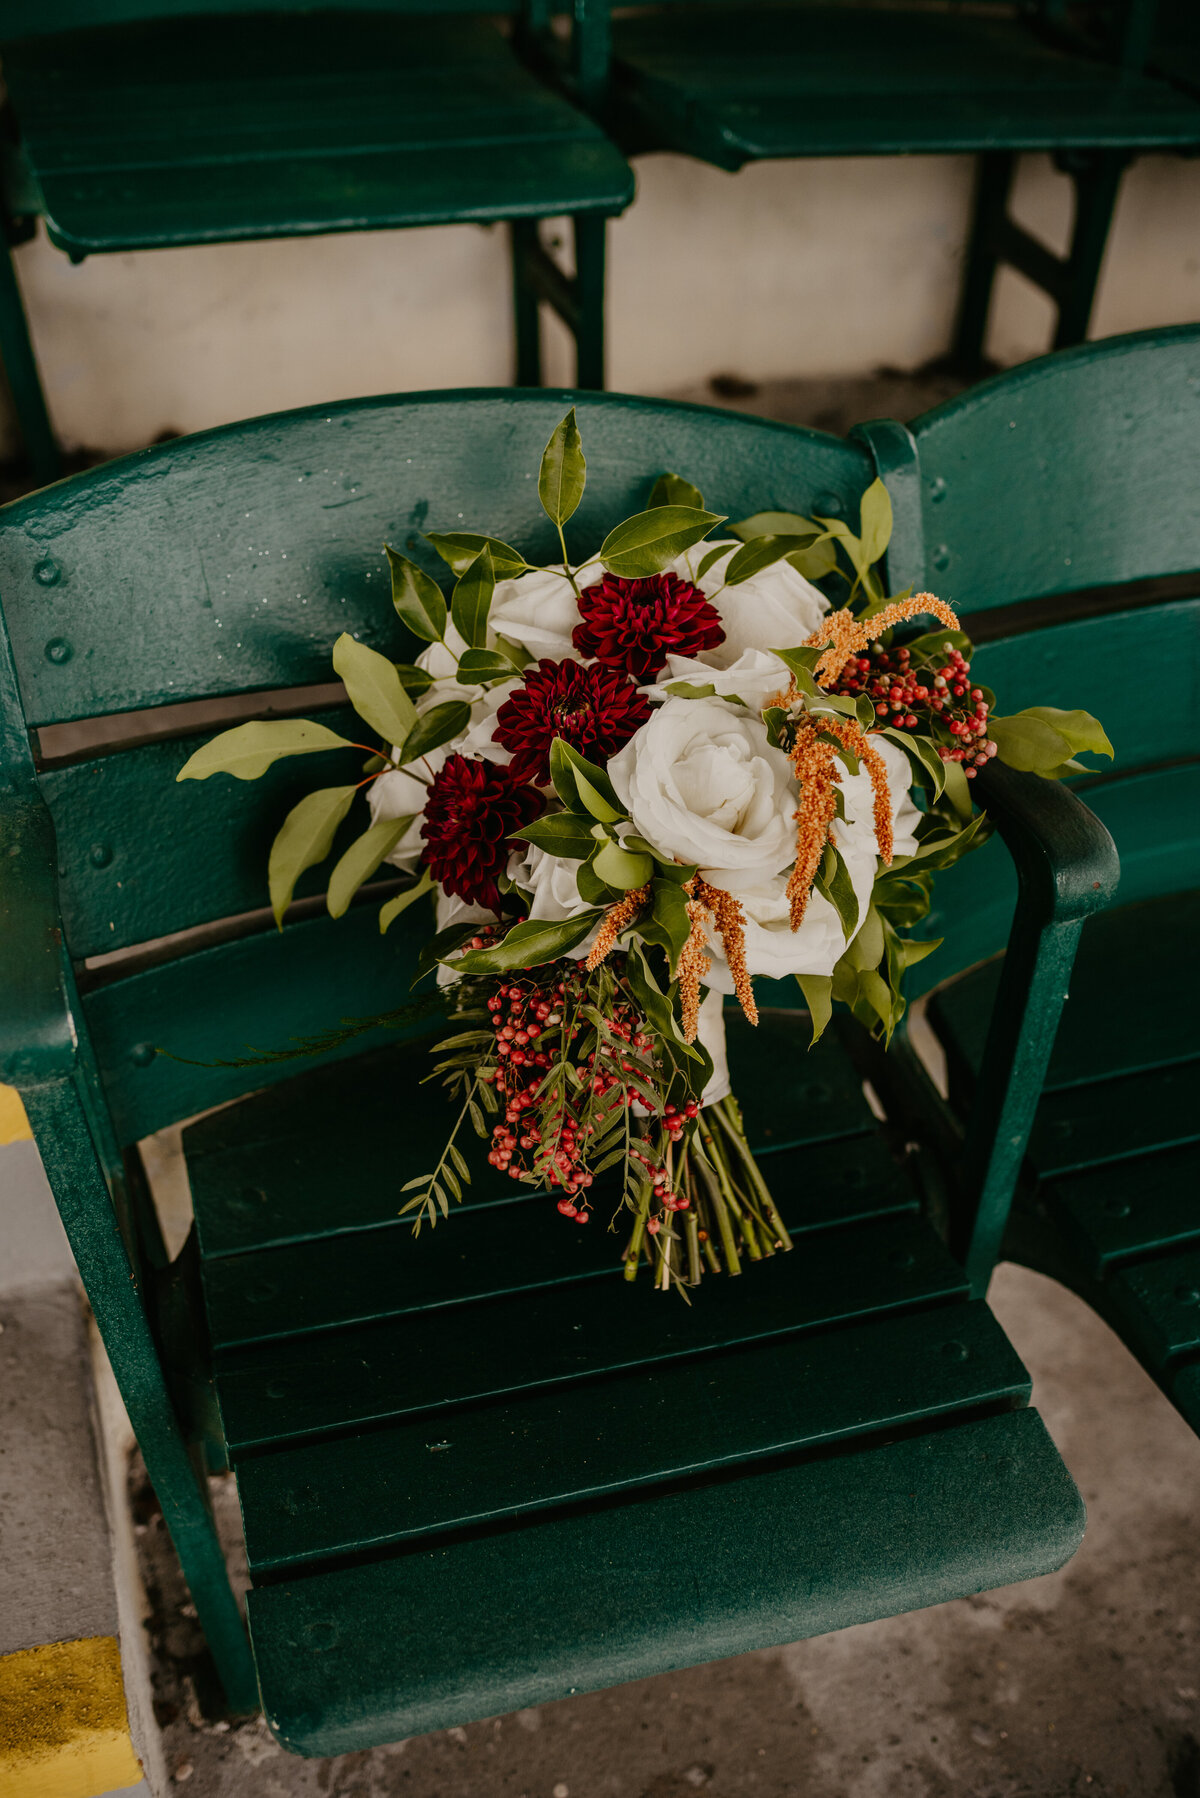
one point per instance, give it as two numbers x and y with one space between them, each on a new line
478 1470
144 126
1087 584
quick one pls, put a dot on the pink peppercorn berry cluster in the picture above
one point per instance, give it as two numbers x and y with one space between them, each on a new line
908 695
537 1139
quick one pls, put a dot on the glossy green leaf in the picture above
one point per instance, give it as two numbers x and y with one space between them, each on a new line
305 838
478 666
644 544
560 833
472 600
581 785
248 750
622 869
441 724
460 548
414 680
958 791
711 558
669 911
673 490
875 521
763 552
361 860
563 472
658 1006
375 689
1081 730
391 911
817 562
927 763
818 996
529 945
932 644
418 599
774 524
833 880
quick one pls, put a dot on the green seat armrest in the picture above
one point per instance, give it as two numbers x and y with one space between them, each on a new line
38 1039
1066 861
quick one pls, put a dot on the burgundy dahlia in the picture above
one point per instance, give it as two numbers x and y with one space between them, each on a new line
595 710
633 625
472 810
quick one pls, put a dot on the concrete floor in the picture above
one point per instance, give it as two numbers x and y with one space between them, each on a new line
1084 1682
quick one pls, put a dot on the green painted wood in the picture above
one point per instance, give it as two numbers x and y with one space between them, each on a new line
1157 1304
1111 1215
738 84
288 1148
435 1360
140 856
1132 1004
505 1244
152 538
31 18
356 1493
1092 449
451 1633
1108 1120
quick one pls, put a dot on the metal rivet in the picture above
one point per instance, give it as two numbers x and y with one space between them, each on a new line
48 572
1188 1295
58 650
322 1635
941 556
828 505
1117 1207
855 1176
100 854
260 1294
937 490
955 1351
142 1054
246 1202
277 1388
901 1258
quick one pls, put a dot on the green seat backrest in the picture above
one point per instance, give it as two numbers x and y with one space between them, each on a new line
39 18
226 564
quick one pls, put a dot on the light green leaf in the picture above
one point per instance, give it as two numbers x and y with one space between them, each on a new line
560 833
673 490
595 801
644 544
460 548
875 521
305 838
957 790
249 749
418 599
763 552
818 996
815 563
774 524
685 689
391 911
478 666
1082 731
433 728
619 868
865 948
361 860
563 472
927 763
712 557
472 600
580 783
375 689
529 945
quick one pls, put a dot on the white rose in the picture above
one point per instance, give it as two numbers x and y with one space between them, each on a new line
539 610
450 909
441 659
776 609
703 784
856 837
479 740
754 678
773 948
550 881
710 1034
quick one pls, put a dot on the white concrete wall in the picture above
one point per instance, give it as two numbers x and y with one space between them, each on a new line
786 269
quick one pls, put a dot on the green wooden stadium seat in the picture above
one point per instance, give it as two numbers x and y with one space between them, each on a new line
477 1471
146 124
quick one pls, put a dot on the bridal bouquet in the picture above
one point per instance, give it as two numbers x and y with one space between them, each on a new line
629 787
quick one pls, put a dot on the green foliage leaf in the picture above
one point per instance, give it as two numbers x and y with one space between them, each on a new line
418 599
375 689
673 490
248 750
927 764
658 1006
1042 738
563 472
818 996
304 839
932 644
529 945
391 911
644 544
763 552
957 790
414 680
833 880
560 833
361 860
483 665
622 869
817 561
875 521
581 785
460 548
775 524
433 728
472 600
669 912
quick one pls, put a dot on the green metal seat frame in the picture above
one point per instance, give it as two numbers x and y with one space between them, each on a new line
1057 504
476 1471
148 124
733 83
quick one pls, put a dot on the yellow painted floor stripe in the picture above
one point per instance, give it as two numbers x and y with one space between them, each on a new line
14 1125
64 1729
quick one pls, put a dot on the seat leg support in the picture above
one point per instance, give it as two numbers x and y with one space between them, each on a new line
578 300
20 366
81 1193
526 321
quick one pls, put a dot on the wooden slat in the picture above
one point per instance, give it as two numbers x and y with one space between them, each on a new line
331 1149
1157 1304
444 1635
505 1245
283 1391
281 519
394 1484
1109 1120
1113 1214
